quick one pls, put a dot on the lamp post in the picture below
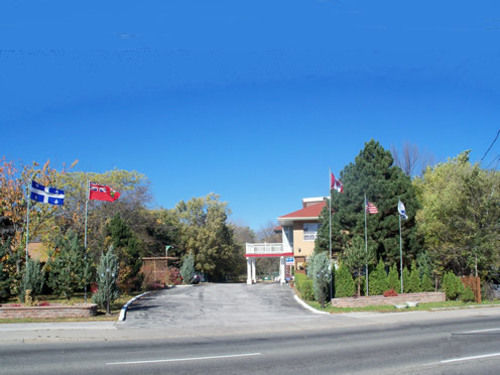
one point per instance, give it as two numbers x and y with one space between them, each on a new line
167 248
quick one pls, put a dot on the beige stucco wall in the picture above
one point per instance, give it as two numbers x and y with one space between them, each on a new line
306 247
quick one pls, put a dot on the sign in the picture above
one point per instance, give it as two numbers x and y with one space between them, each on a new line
289 261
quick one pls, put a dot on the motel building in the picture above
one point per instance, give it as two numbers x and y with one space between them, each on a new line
299 230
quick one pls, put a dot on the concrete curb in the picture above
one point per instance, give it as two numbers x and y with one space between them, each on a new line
123 311
306 306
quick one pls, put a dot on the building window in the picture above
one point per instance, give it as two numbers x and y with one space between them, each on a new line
310 231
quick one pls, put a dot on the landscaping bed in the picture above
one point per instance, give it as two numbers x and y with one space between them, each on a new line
48 311
400 299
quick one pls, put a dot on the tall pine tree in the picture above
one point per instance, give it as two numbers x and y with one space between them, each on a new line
373 173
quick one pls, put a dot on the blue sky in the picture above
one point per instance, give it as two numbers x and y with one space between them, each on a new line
253 100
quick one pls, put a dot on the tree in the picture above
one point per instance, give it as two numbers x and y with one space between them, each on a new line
321 277
411 158
378 283
107 275
459 217
373 173
413 284
393 278
5 279
268 233
204 231
33 280
356 257
187 268
344 284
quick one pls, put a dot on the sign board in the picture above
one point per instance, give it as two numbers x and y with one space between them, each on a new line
289 261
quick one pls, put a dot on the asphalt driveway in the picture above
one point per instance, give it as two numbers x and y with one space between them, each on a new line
218 308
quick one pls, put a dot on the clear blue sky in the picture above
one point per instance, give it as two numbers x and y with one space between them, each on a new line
254 100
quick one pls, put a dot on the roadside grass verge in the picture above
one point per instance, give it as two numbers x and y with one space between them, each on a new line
430 306
76 299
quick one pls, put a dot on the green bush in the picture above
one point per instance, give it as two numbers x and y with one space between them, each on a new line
393 279
406 279
305 286
344 284
413 285
427 285
452 286
321 277
377 282
467 295
33 280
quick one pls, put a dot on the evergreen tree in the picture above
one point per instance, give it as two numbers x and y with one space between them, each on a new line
427 284
406 279
377 282
66 265
356 258
321 277
107 275
373 173
393 279
344 284
187 268
452 286
413 285
33 280
5 278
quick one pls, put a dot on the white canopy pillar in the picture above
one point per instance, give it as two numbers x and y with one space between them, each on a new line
254 278
282 270
249 271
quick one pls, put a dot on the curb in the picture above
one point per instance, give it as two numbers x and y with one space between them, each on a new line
123 311
306 306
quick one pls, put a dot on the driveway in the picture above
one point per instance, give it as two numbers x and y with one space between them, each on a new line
219 308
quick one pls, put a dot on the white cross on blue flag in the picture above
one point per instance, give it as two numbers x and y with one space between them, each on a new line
44 194
402 210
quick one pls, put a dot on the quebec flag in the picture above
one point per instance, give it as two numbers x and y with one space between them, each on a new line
402 210
44 194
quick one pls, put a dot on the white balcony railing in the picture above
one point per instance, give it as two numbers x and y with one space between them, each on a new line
264 248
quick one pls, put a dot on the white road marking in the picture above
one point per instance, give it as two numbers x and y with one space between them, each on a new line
185 359
471 358
482 331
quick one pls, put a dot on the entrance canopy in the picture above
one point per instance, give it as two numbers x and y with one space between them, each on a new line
265 249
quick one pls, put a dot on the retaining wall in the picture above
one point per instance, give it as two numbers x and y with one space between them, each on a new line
381 300
53 311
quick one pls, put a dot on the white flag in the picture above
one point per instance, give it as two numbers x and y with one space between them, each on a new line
402 210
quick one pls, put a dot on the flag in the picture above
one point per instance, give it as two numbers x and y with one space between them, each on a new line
336 184
44 194
402 210
102 193
371 208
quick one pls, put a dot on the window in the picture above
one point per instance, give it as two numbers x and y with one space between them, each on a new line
310 231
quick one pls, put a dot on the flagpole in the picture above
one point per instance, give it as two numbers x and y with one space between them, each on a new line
366 249
27 226
85 237
330 233
400 254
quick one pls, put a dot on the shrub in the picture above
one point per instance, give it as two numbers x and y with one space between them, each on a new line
377 282
107 274
187 268
390 293
414 281
393 278
406 279
467 295
305 286
452 286
427 284
174 276
33 280
321 277
344 284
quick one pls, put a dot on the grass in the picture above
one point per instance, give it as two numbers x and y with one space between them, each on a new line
76 299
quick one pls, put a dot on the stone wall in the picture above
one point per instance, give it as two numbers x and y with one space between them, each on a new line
381 300
46 312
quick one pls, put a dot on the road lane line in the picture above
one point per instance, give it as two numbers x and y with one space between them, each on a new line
185 359
482 331
471 358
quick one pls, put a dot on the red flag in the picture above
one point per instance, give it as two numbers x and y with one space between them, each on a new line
371 208
336 184
102 193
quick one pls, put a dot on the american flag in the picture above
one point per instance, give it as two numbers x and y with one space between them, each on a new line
371 208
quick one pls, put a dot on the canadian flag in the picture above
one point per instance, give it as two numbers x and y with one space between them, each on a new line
336 184
102 193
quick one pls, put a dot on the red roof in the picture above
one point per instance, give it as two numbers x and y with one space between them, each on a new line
311 211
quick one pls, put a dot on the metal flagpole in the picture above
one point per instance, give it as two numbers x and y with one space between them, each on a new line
400 253
366 249
85 237
28 225
330 233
